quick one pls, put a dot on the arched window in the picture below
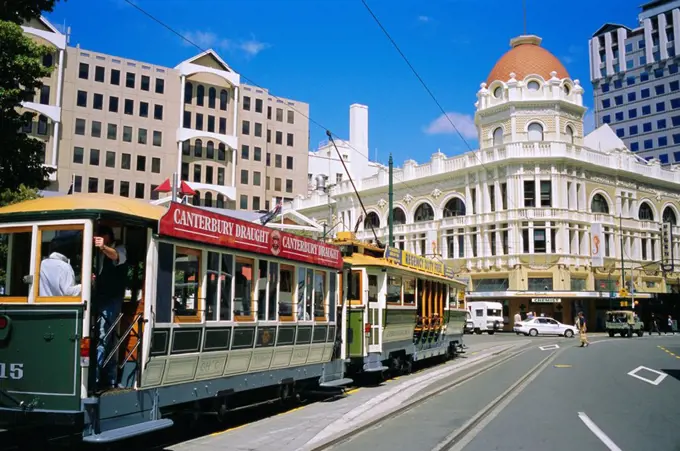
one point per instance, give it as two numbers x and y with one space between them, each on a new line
669 216
196 199
398 216
599 204
186 147
454 207
220 201
210 150
200 94
570 134
224 99
212 93
424 212
198 148
48 60
567 89
372 219
221 152
645 213
535 131
188 92
208 200
498 136
498 92
533 85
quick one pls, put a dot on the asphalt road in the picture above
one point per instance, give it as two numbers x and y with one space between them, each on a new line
426 425
588 392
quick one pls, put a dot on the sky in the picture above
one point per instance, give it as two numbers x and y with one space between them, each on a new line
331 53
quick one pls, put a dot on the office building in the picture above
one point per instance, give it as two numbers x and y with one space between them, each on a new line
636 82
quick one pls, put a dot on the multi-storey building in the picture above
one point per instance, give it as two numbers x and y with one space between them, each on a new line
540 216
274 140
636 82
122 127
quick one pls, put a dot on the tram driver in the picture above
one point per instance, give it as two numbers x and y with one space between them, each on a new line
109 292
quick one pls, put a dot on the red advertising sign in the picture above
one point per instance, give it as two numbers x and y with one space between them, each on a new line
195 224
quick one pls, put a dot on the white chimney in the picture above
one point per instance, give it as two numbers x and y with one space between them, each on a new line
358 128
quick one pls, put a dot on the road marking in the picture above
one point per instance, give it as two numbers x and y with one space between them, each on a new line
561 365
549 347
598 432
354 390
669 352
661 376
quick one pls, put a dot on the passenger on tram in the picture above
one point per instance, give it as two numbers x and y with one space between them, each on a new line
109 291
56 273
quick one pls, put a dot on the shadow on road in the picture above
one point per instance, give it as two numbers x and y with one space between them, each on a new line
674 374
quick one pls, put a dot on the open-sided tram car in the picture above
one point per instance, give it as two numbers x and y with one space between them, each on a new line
399 308
217 312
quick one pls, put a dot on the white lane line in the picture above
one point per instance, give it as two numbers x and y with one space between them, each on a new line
598 432
660 376
549 347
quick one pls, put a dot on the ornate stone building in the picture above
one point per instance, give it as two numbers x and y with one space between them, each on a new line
537 218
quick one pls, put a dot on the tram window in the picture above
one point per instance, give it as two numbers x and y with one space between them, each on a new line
453 297
320 295
60 244
187 292
354 293
394 289
15 261
305 293
273 285
262 290
213 276
226 277
243 291
372 288
409 291
287 275
332 295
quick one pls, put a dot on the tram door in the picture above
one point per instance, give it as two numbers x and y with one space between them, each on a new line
374 315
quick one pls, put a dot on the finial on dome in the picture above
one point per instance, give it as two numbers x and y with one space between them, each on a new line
512 76
553 75
529 39
577 82
483 86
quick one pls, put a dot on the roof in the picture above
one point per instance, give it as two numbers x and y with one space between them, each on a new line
103 203
609 27
526 57
367 260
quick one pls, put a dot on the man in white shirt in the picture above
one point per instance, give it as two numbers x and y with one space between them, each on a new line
57 277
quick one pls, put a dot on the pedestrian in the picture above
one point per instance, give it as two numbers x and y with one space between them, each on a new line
582 329
670 325
654 325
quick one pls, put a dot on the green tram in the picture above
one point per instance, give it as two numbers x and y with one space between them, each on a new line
398 308
216 313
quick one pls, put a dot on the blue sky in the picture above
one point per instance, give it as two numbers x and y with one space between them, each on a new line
330 53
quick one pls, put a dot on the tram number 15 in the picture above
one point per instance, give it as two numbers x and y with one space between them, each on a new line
11 371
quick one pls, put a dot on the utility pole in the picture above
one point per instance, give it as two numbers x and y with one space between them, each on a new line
390 196
623 278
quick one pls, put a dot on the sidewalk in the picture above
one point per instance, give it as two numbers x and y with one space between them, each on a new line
312 424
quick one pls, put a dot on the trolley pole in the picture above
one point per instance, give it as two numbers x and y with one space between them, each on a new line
390 206
623 278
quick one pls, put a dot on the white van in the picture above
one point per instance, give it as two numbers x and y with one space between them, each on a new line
486 316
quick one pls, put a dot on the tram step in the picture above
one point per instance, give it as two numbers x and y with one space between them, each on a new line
133 430
337 383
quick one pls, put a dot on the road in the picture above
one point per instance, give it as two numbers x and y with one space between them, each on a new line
583 399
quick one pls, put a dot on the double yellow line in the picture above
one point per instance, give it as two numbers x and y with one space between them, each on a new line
669 352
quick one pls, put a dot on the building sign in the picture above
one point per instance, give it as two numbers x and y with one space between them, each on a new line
414 261
667 247
195 224
597 245
546 300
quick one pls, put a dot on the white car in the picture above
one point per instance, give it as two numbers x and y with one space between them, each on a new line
544 326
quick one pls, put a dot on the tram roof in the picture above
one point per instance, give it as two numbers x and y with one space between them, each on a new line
367 260
72 205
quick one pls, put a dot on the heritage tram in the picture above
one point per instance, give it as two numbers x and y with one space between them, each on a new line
215 313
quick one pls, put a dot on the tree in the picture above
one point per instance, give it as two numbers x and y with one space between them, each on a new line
21 70
20 194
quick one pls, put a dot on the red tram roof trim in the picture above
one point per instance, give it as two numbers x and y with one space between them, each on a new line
195 224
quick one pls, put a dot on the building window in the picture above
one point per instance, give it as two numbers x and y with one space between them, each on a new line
535 131
570 134
188 92
96 129
245 152
42 125
112 131
289 162
210 150
257 178
141 163
115 77
139 190
246 103
94 157
80 126
289 139
146 83
291 116
279 137
243 202
78 155
127 134
245 127
160 86
141 136
186 121
144 109
200 95
198 148
129 107
98 102
279 115
157 138
277 161
257 154
224 98
212 94
289 186
92 185
645 212
533 85
113 104
84 71
108 186
129 80
244 176
110 159
197 173
158 112
498 137
48 60
211 123
258 129
258 109
546 197
124 189
81 98
529 193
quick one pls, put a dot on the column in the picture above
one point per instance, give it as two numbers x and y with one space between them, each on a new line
676 30
609 56
663 50
621 35
182 87
649 44
55 136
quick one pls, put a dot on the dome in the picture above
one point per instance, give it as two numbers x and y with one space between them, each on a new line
526 57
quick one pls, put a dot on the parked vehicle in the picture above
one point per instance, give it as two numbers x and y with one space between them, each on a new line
623 322
544 326
469 324
486 316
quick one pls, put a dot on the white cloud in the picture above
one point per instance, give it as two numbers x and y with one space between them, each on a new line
463 122
208 39
589 122
573 54
424 19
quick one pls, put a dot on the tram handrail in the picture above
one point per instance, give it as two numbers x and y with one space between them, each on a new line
121 338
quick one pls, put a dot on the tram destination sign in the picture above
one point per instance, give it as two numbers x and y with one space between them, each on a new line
414 261
190 223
